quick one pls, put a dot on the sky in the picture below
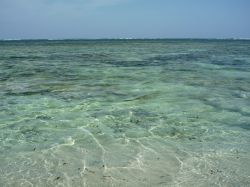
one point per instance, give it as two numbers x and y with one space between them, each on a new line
61 19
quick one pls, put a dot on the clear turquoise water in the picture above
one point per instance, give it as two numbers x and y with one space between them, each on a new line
125 113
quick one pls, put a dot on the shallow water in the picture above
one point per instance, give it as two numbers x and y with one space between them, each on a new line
125 113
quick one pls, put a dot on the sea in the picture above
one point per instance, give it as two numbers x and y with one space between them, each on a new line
125 113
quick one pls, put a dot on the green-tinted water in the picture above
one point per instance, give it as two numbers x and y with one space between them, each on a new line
125 113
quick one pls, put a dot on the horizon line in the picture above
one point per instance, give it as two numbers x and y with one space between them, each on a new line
62 39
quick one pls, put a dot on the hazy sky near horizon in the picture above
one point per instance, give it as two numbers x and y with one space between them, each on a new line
124 19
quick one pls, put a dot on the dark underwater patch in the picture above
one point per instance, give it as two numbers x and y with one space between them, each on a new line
28 93
231 62
219 107
245 126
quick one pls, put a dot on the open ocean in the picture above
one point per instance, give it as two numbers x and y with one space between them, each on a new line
134 113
